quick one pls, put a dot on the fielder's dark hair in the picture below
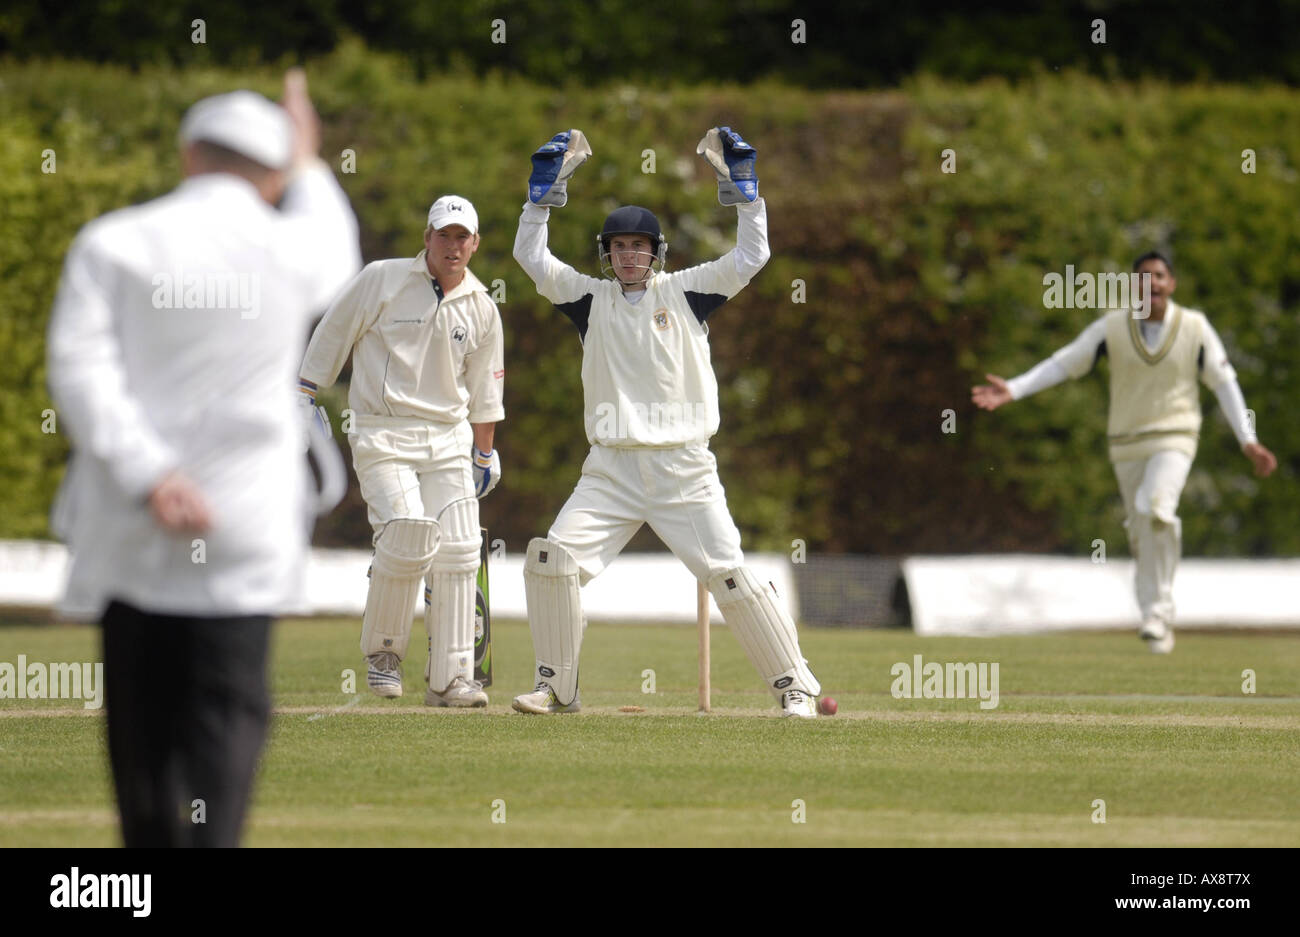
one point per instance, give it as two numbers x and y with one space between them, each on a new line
1153 255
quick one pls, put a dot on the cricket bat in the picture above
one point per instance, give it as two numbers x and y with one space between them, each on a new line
483 617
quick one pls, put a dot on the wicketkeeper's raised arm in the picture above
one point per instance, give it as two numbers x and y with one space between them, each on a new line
553 164
733 161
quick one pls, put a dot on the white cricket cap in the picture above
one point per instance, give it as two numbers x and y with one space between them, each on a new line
245 122
452 209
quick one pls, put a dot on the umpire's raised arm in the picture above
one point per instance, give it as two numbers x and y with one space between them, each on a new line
321 236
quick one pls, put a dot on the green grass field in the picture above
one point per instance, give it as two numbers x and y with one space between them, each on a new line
1180 755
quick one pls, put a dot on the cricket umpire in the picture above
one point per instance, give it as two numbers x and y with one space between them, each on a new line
172 354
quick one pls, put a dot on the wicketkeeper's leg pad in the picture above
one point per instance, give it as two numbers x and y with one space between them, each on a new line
765 630
403 552
554 615
449 614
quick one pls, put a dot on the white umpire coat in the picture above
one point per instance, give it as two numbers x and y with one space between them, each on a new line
174 344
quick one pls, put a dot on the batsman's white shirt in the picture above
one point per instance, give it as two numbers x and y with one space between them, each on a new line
174 344
423 364
418 355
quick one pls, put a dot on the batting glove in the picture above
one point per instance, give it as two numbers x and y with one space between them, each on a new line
553 164
487 470
314 418
732 160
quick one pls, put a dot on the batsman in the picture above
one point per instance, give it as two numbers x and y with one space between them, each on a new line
650 403
426 395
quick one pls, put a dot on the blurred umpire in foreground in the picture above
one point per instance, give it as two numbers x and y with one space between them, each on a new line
173 353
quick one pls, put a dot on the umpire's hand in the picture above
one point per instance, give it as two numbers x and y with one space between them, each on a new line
306 124
179 507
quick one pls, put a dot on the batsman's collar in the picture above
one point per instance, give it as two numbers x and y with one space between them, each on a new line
452 209
468 284
242 121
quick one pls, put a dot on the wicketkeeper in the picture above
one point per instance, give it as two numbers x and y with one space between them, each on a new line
1154 425
426 391
651 406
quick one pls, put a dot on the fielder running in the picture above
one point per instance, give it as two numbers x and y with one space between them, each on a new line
1154 424
425 395
651 405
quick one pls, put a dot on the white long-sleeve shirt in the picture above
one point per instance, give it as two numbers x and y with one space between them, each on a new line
1082 353
416 353
173 345
647 378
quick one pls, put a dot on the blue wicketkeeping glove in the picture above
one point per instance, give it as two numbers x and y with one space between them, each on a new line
487 470
732 160
553 164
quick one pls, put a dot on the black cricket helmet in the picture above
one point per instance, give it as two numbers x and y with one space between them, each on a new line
631 219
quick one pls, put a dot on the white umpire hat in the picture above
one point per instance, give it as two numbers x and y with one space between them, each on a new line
245 122
452 209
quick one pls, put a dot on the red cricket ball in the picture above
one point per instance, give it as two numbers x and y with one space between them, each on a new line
827 706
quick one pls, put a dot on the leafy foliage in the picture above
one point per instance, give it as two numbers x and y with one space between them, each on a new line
915 281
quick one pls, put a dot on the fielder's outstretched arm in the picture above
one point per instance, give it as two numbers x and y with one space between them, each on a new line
1219 375
1073 361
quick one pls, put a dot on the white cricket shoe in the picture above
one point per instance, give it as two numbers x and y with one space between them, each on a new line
461 693
1158 636
798 703
542 700
384 674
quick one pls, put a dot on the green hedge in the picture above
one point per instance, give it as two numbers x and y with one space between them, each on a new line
916 281
684 42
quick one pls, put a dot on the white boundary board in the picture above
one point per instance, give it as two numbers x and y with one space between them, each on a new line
1026 594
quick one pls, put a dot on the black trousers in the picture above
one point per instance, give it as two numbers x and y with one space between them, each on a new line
188 708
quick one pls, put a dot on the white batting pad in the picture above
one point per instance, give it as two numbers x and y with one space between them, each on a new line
554 615
449 615
402 554
765 630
